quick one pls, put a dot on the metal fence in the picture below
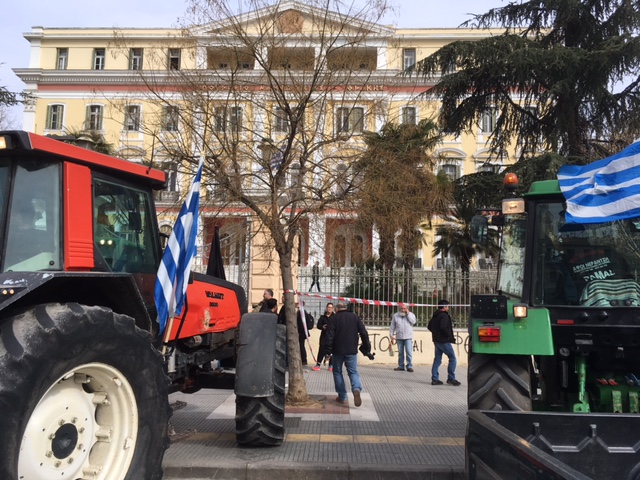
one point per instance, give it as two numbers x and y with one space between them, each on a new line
423 287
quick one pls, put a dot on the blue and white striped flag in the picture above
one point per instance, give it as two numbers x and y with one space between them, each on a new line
605 190
175 267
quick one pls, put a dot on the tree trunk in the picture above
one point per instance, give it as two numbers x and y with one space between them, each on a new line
387 250
297 387
408 283
387 260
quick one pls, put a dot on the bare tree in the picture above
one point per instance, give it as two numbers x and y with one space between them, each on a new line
9 99
274 101
7 120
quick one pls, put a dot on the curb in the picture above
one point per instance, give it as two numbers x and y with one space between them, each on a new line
307 471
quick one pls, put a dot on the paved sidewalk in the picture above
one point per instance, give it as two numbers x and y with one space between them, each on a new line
406 428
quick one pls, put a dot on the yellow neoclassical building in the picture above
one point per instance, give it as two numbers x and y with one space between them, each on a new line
240 76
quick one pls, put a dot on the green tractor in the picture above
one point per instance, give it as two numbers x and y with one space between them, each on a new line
562 334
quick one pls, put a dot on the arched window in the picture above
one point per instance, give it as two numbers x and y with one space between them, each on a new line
348 246
93 119
452 160
357 249
408 116
339 253
55 117
488 120
451 170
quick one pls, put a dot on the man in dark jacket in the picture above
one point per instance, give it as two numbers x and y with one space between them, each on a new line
323 325
342 342
441 328
262 306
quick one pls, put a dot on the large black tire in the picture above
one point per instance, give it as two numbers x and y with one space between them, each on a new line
260 421
499 382
83 394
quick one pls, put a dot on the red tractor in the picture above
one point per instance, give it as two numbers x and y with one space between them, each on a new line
84 372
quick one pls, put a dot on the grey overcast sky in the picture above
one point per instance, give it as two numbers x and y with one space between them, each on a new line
20 15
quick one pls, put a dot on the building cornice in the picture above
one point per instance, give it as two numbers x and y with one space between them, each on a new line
101 34
249 80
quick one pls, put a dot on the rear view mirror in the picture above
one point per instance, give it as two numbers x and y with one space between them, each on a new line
135 221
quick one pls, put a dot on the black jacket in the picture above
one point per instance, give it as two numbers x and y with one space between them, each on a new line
441 327
282 316
342 334
322 321
310 322
263 306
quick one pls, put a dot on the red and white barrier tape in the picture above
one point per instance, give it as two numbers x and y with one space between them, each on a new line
362 301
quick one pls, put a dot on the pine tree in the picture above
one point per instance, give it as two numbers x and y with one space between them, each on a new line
562 76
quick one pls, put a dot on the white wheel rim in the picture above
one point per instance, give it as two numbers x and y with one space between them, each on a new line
84 427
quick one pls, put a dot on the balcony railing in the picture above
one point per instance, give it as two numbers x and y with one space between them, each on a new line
167 196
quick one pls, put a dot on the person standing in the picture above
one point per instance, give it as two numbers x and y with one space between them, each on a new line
342 340
262 306
302 332
401 332
282 314
272 305
315 276
323 325
441 328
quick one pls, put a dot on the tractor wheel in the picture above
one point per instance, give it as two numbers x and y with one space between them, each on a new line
83 395
499 382
260 421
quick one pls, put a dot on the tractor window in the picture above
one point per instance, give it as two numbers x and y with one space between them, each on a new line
511 275
4 189
123 228
591 265
33 234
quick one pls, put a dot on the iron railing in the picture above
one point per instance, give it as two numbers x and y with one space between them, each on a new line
421 287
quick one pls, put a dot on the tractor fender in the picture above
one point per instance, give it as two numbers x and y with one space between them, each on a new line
256 353
116 291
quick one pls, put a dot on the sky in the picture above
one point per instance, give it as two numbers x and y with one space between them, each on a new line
20 16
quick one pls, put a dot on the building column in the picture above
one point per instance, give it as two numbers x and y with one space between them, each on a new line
382 58
201 56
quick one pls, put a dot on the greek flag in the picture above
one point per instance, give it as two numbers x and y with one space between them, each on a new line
605 190
173 274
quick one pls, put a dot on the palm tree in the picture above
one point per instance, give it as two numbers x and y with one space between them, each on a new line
454 235
563 59
399 189
95 138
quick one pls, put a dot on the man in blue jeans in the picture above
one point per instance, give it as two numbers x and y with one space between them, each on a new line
441 328
401 332
342 342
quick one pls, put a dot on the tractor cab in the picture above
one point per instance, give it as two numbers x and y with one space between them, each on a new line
67 209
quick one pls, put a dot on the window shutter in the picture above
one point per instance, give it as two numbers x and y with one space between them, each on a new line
49 115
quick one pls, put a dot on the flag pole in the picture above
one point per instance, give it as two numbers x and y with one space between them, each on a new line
165 340
175 266
169 326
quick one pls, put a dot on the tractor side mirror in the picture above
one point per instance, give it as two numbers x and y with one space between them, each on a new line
479 229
